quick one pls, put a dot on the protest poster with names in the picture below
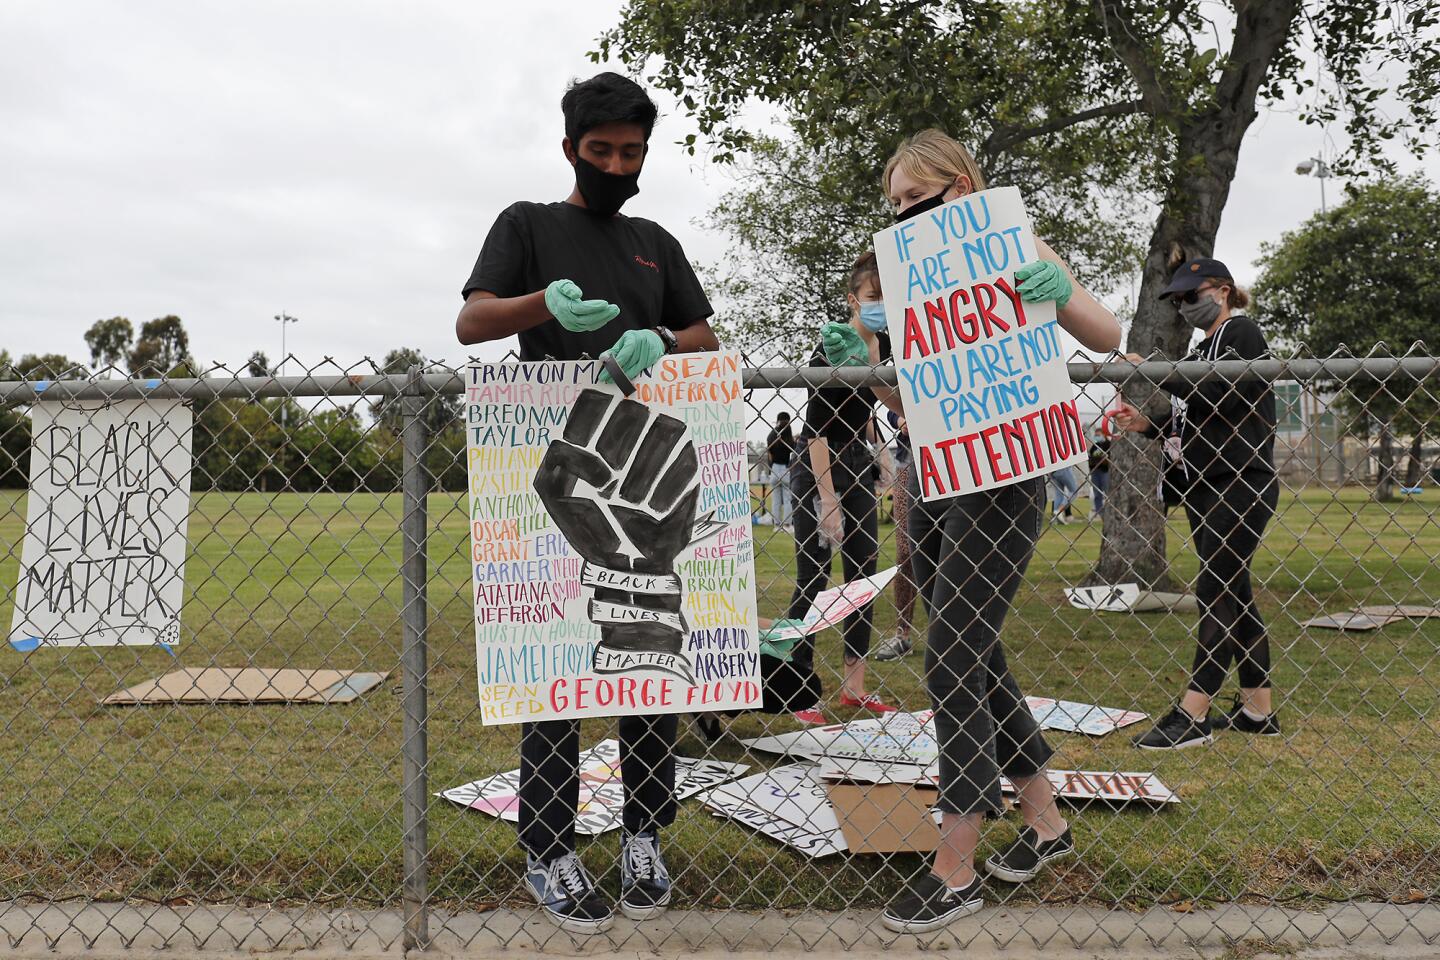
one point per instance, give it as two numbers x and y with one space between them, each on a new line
988 401
613 566
103 558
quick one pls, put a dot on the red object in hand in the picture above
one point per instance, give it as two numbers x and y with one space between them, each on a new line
1107 424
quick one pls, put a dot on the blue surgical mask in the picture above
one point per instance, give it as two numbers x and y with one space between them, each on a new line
872 315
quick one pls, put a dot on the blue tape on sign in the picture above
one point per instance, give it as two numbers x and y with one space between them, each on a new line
152 383
42 385
25 645
167 648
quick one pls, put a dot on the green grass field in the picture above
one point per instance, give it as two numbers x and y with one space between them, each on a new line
302 802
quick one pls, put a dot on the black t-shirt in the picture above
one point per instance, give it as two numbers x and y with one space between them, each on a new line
1225 428
633 263
780 445
840 414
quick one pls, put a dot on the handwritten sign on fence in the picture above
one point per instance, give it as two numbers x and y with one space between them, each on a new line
613 566
981 373
103 558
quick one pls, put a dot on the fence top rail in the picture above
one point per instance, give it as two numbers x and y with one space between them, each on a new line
772 378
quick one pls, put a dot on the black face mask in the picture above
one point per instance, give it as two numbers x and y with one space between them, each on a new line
920 206
604 193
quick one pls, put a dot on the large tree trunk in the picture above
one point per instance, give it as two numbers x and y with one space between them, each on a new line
1132 546
1414 469
1385 482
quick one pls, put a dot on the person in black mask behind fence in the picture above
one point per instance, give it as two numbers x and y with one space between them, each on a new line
1228 486
572 279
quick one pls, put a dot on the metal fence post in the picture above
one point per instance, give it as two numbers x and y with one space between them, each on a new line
415 615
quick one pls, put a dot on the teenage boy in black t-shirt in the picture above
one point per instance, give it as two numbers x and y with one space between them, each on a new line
572 279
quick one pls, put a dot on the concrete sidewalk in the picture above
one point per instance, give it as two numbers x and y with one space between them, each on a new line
132 931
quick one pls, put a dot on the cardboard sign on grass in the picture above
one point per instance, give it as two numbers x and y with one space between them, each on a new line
102 562
988 401
1111 786
613 567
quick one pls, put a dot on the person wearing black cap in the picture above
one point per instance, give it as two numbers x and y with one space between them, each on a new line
538 265
1229 490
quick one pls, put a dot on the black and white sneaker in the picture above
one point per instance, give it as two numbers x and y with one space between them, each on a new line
568 895
644 881
1241 722
1022 860
897 647
1177 731
931 906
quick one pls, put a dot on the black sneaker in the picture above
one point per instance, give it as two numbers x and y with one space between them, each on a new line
1022 860
1238 720
568 895
930 906
1177 731
644 881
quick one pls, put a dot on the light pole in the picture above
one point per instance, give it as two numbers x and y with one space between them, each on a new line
1315 167
284 319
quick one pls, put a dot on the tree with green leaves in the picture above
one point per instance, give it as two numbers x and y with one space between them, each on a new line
1078 102
109 342
1364 278
162 347
258 365
49 366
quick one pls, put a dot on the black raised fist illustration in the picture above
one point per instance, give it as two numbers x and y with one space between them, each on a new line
622 486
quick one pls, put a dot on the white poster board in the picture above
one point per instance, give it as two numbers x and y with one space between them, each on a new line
982 374
613 567
790 792
602 793
1071 716
832 606
897 737
1109 785
103 558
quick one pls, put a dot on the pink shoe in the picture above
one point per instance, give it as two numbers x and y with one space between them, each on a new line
811 717
868 702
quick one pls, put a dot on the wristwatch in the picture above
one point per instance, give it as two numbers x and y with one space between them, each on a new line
667 337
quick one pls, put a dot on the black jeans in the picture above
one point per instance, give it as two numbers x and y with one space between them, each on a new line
550 780
852 470
1228 516
970 556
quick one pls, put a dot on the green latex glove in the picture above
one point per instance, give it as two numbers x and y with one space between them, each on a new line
779 649
636 351
843 346
562 299
1044 280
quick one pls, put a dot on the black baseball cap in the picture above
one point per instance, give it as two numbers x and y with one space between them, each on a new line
1192 273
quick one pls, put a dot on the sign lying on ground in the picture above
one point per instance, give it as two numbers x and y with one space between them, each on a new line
602 793
988 400
103 558
1129 598
832 606
249 685
1106 785
786 803
896 737
1072 717
1362 619
613 567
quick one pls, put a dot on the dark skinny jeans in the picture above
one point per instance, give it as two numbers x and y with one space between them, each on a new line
1227 517
970 556
852 470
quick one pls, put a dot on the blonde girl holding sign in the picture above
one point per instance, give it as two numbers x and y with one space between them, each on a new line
970 553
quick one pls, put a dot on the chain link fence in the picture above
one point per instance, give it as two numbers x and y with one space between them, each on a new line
329 530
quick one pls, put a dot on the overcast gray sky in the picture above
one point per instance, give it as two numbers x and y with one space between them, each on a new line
341 162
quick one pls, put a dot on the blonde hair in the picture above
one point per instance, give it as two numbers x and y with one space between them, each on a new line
933 158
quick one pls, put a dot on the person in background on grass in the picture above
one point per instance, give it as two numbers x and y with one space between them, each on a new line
1063 490
539 263
900 645
779 452
835 500
1229 488
1099 464
971 552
